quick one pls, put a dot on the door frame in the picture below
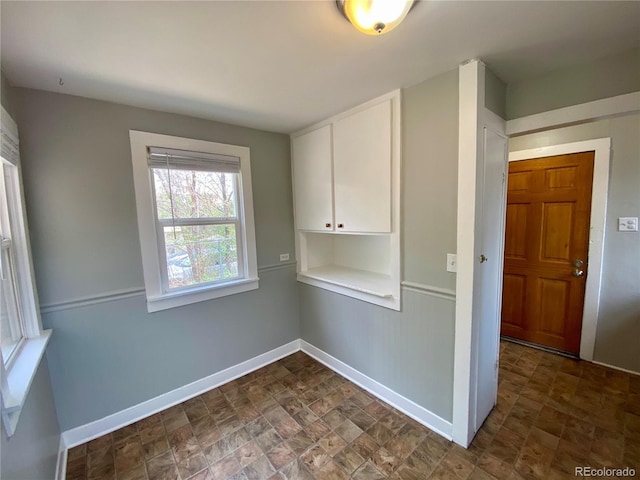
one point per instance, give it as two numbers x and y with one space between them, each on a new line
470 107
473 117
602 149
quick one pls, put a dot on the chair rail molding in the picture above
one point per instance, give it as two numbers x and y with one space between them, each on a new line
130 292
431 290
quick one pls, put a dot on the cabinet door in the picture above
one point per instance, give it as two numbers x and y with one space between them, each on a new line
312 180
362 170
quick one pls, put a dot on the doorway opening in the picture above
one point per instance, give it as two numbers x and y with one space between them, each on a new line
553 300
545 254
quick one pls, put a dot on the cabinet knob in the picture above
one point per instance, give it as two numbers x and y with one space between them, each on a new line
328 225
340 225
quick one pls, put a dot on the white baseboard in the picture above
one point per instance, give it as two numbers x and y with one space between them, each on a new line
632 372
406 406
61 464
84 433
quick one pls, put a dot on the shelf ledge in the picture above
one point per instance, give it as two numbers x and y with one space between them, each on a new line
368 286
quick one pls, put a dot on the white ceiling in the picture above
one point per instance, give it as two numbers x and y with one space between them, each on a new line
282 65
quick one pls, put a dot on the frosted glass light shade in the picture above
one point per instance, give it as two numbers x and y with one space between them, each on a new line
375 17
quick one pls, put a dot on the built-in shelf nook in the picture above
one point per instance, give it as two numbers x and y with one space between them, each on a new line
346 183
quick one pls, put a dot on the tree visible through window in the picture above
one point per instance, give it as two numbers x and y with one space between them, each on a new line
197 215
195 219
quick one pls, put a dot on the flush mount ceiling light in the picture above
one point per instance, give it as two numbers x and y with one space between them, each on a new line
375 17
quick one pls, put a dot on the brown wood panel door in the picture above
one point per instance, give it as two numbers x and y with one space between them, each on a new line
546 238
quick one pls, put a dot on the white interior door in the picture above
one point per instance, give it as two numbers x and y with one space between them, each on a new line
488 272
482 165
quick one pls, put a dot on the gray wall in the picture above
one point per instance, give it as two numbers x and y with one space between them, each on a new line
608 77
31 453
113 355
619 315
79 187
495 93
80 201
5 94
411 351
430 179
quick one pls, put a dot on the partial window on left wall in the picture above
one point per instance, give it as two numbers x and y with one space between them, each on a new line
22 339
11 320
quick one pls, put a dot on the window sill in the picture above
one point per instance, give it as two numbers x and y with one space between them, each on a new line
185 297
19 379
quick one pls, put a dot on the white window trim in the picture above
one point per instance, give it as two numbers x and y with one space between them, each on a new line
157 299
20 372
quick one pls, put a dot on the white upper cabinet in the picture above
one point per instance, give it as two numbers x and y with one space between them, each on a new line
342 173
346 183
313 190
362 170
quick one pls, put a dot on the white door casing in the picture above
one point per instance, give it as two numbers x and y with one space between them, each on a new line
471 100
602 149
482 162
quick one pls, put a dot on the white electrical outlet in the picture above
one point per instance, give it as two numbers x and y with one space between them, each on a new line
627 224
452 262
284 257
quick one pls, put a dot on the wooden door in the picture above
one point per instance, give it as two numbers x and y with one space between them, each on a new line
312 185
546 246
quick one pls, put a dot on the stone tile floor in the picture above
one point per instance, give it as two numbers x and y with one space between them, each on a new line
296 419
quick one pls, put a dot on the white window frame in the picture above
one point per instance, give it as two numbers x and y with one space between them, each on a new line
153 256
17 375
9 272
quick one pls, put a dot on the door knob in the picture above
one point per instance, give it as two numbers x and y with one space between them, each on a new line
577 273
578 263
483 258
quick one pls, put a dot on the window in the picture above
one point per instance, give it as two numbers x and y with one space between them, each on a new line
11 326
22 340
195 219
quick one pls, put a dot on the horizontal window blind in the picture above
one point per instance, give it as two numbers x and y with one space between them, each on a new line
9 150
186 160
